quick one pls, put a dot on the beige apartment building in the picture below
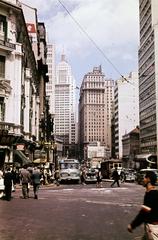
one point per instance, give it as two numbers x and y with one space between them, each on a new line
148 76
95 104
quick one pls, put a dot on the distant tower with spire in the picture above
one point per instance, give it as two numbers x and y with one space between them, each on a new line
65 112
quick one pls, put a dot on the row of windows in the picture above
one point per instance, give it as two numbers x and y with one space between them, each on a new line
148 55
148 92
144 7
146 82
146 34
146 45
147 63
146 103
146 25
147 112
91 139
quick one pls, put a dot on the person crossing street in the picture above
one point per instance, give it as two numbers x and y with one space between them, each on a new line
115 177
36 179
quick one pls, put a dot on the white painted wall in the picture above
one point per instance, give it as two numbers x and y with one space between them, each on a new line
128 106
13 74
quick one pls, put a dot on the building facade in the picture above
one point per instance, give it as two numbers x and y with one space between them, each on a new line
130 147
126 109
18 77
95 110
148 76
65 112
37 35
109 88
50 86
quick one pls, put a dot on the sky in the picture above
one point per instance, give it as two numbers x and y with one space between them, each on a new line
112 26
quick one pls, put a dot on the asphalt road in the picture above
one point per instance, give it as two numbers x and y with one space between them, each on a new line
72 212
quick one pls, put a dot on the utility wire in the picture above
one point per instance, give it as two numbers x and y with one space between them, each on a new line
94 43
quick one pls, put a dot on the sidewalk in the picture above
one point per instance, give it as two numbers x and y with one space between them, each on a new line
51 185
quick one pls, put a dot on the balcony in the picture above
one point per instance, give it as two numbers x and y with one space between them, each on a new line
6 44
10 128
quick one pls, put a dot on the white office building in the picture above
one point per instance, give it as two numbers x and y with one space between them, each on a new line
65 112
50 86
126 103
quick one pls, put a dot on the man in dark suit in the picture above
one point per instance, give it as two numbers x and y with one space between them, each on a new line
36 177
115 177
8 178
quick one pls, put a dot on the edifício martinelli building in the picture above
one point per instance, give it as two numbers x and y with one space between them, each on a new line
65 107
95 110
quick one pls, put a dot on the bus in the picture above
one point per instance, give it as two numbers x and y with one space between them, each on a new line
69 170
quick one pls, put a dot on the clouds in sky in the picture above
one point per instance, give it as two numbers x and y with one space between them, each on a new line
112 24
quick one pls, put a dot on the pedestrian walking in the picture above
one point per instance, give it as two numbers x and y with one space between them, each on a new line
30 169
1 184
36 179
115 177
1 174
148 213
99 178
25 180
57 177
8 181
13 171
83 176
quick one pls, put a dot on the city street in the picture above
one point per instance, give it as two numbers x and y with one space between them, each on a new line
72 212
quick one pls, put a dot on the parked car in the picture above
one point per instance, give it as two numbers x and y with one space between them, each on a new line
142 173
130 175
90 176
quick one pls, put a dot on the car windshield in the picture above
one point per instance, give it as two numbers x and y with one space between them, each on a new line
69 165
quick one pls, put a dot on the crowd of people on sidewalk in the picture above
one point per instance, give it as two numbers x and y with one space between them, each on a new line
35 176
25 177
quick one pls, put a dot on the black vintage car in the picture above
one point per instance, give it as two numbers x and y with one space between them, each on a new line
90 176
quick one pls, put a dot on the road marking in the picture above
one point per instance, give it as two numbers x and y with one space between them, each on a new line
89 189
112 203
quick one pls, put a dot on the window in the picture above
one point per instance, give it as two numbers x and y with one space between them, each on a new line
3 27
2 66
2 109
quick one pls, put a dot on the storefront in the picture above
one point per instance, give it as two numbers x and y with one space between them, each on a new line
12 150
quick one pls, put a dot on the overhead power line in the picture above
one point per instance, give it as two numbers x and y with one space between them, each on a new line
94 43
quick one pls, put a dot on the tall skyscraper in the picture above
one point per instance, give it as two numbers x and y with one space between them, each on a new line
126 113
65 112
148 76
95 110
50 86
109 88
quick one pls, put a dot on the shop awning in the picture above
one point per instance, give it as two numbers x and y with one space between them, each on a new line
148 157
20 157
39 160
